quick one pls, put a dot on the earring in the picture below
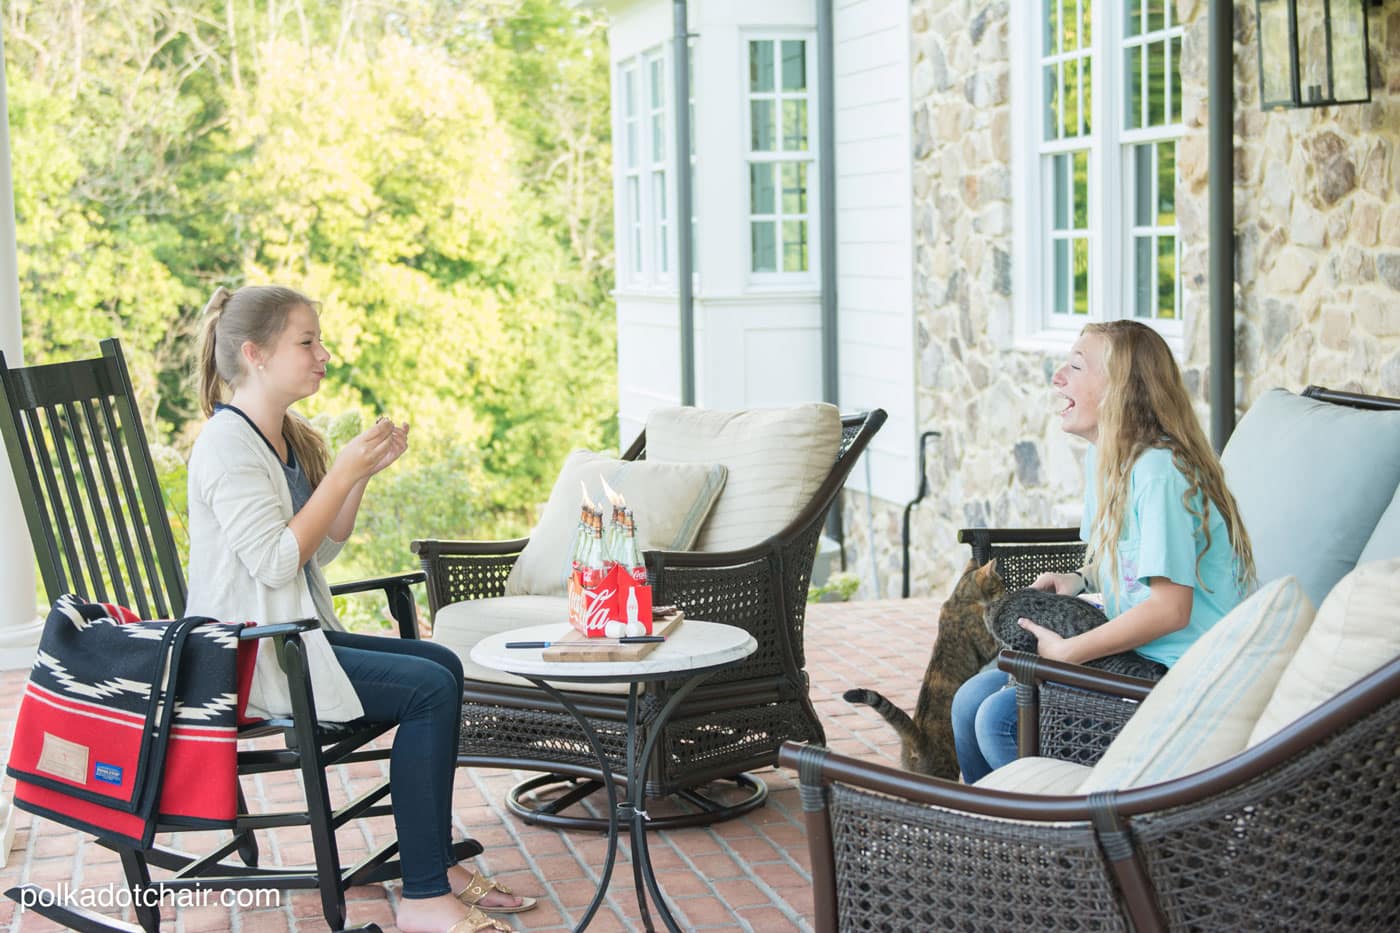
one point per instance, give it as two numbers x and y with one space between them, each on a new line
261 366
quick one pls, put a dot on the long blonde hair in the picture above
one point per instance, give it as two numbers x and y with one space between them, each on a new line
1145 405
257 313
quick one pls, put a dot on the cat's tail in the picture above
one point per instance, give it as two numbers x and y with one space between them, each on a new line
892 714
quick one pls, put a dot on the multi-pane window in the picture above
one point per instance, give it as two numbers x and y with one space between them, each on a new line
1106 74
631 169
656 134
781 166
645 186
1151 117
1066 129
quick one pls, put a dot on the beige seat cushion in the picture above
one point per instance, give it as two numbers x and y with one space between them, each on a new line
460 626
668 500
1202 711
1357 630
1047 776
777 459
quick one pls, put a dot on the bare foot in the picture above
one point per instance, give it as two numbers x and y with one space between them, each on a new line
459 878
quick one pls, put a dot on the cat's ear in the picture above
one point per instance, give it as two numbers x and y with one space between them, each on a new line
987 570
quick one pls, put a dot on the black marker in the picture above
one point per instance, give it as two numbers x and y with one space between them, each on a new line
640 639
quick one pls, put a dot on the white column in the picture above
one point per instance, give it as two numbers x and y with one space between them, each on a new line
19 624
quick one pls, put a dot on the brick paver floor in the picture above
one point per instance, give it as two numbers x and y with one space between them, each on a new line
750 873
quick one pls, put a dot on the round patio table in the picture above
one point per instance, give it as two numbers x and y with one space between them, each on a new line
692 651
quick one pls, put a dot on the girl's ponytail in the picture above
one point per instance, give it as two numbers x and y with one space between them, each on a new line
209 390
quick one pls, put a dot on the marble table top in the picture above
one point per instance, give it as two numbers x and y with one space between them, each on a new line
694 645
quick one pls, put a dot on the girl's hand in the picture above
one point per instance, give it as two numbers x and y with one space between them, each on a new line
1065 584
398 445
362 456
1048 644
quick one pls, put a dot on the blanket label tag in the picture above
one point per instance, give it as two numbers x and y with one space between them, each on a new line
64 759
110 774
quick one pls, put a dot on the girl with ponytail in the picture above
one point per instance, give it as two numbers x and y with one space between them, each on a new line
268 508
1166 545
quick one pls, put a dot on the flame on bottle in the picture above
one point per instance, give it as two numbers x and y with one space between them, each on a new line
613 495
587 501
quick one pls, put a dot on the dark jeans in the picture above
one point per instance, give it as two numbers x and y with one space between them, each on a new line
417 684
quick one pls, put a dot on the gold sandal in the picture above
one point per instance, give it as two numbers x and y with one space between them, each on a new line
477 922
478 886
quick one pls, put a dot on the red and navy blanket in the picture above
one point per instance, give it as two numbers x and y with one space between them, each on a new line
127 724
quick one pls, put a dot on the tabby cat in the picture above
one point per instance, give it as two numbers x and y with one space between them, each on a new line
1066 616
962 647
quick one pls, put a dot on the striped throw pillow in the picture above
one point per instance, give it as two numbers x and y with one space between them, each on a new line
1203 710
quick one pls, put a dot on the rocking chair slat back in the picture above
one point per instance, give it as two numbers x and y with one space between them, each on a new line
88 486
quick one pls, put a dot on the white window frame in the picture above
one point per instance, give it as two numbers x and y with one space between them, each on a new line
1110 193
631 245
646 248
783 279
660 141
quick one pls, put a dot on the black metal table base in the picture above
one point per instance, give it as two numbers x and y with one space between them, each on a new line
630 811
530 801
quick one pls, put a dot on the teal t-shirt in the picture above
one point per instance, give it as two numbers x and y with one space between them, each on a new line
1161 539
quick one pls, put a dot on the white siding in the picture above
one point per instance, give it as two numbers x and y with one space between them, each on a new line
874 233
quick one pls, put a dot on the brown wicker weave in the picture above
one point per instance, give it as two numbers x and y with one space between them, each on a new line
1055 720
1301 832
734 722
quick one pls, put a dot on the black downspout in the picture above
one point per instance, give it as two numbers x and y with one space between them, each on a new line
684 267
1220 165
909 507
826 186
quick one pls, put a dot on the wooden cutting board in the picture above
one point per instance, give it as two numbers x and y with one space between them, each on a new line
575 646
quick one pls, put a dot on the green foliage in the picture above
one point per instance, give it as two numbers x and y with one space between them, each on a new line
434 172
838 588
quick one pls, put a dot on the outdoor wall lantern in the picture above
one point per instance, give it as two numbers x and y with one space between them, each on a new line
1312 53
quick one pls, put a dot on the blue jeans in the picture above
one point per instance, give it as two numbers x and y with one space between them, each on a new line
984 724
417 684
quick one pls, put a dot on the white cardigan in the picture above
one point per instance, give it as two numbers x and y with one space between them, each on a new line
245 563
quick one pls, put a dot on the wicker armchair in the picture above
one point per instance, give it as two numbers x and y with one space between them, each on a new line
1297 832
734 722
1057 717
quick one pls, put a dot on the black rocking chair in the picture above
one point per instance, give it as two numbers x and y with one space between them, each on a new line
99 527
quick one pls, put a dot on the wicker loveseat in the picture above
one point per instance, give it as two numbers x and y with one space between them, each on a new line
734 722
1317 478
1297 828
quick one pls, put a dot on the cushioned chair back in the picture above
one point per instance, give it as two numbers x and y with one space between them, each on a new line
87 484
1312 475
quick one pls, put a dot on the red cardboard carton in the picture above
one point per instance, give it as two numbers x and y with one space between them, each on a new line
591 608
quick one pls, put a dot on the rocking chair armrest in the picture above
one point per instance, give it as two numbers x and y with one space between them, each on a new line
370 584
1032 669
396 592
277 629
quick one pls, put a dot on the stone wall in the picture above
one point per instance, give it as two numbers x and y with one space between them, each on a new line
1317 211
1318 274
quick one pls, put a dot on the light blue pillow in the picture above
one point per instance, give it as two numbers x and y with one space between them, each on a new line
1384 543
1311 480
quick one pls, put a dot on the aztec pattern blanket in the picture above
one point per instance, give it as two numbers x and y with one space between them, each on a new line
99 747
